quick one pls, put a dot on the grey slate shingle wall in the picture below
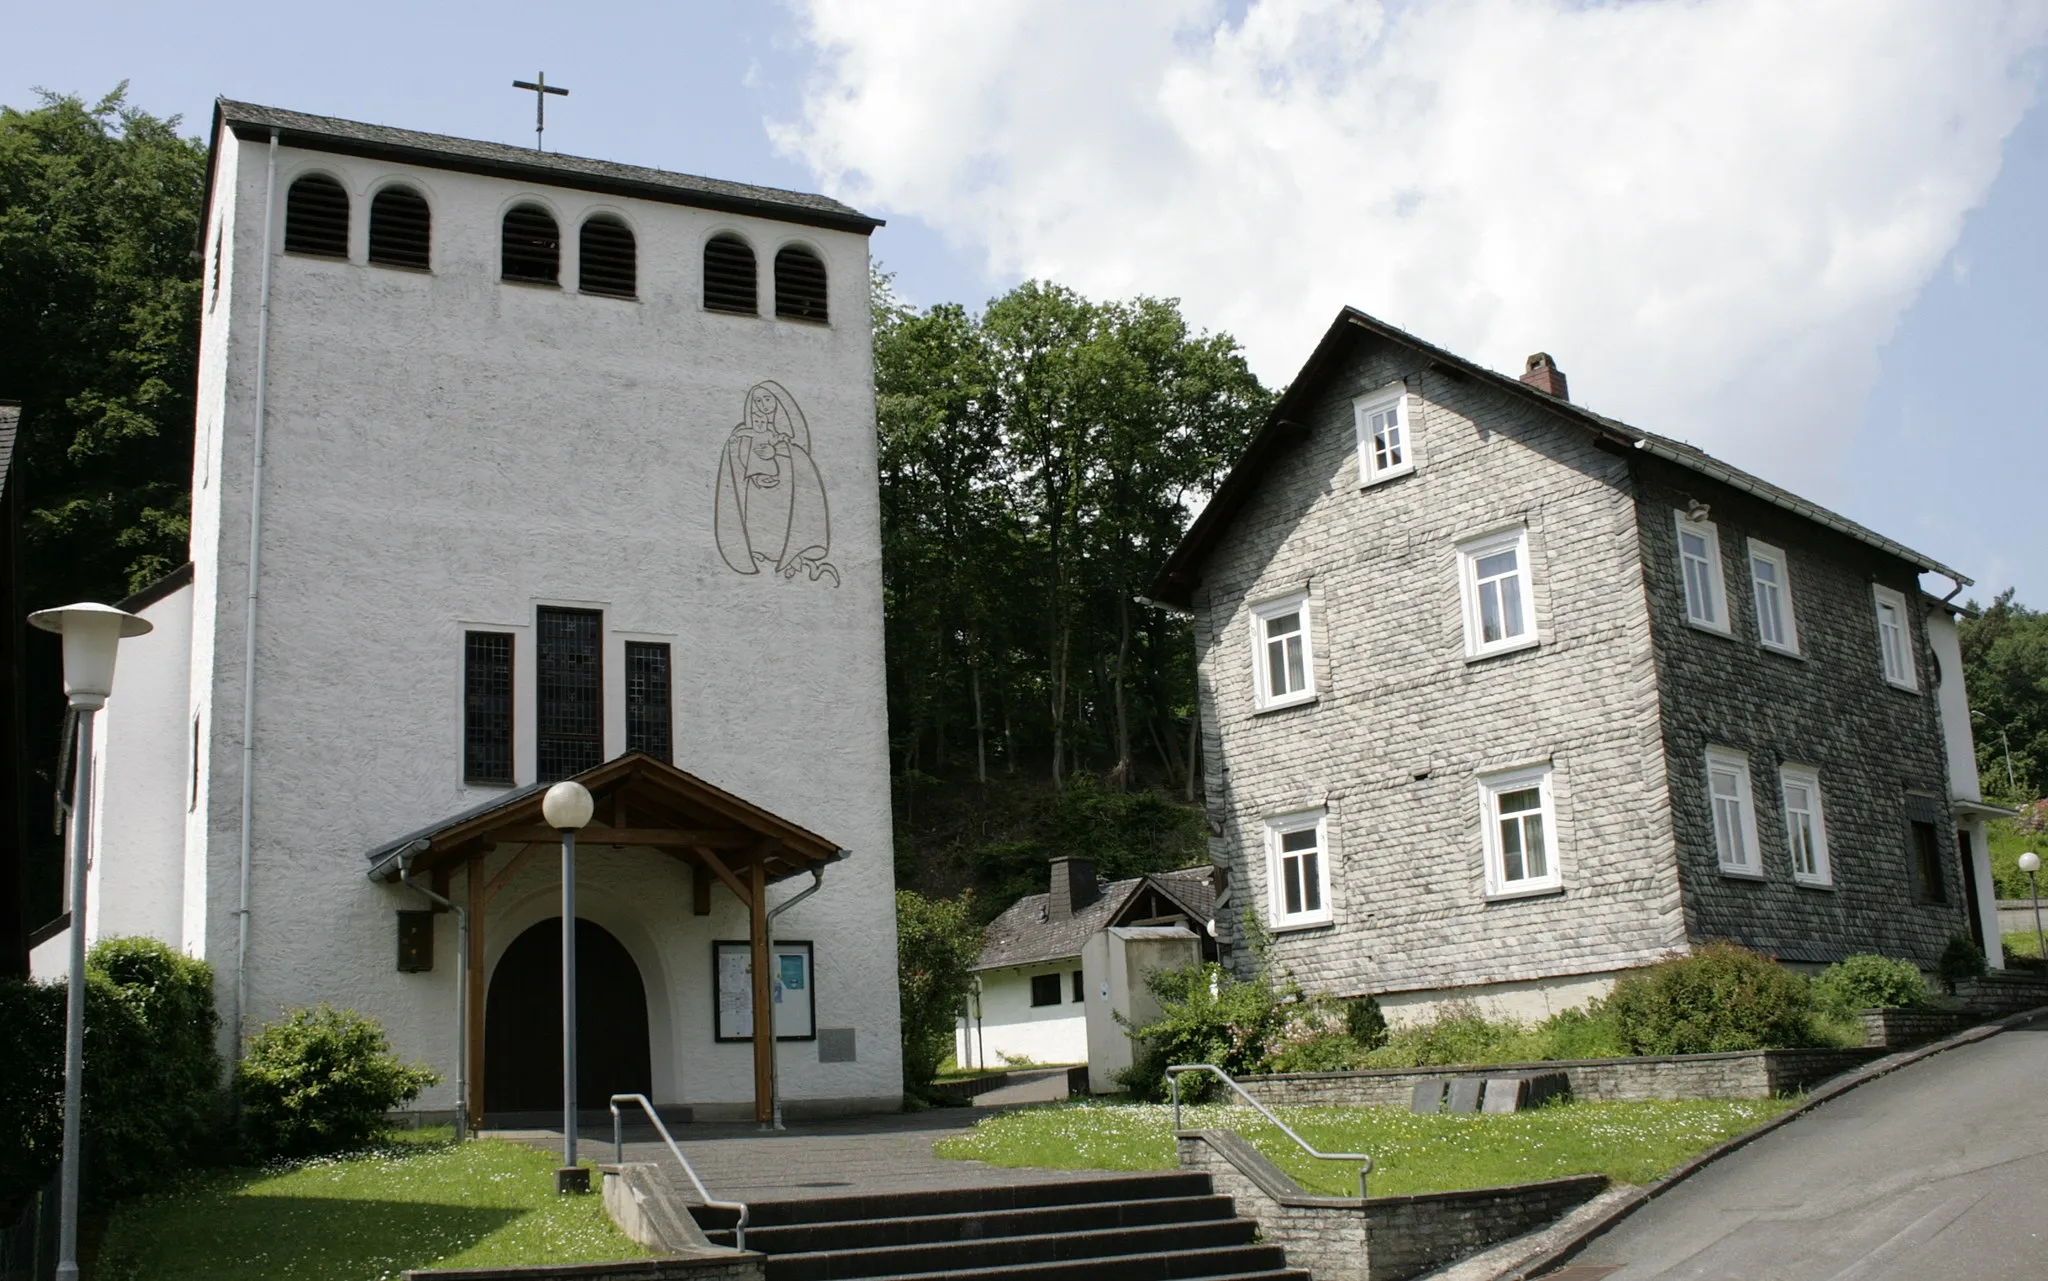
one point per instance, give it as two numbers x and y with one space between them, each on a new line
1398 699
1832 709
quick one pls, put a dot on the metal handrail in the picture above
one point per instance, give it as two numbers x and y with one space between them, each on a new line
1173 1085
739 1232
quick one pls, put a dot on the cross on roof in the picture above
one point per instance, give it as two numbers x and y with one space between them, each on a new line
541 89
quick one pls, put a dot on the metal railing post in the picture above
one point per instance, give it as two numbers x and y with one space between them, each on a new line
739 1231
1173 1084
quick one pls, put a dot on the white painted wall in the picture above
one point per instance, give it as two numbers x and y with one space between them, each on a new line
1953 703
135 880
1116 961
1012 1026
448 451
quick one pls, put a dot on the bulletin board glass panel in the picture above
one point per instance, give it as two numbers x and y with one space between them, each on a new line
792 987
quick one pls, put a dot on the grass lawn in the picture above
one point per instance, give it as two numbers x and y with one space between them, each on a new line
1628 1142
2027 943
421 1201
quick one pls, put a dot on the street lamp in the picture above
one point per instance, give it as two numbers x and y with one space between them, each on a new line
567 808
92 633
2030 863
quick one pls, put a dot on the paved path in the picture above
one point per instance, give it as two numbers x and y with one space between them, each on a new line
1939 1170
817 1158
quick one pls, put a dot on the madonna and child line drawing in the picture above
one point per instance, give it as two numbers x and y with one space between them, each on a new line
771 511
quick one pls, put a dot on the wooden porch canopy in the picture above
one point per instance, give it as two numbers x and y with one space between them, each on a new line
640 801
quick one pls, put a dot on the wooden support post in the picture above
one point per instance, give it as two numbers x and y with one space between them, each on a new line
764 1006
474 876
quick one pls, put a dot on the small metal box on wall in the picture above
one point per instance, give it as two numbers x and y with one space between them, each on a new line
415 942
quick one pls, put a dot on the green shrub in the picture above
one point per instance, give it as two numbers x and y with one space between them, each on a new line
152 1076
937 944
1365 1023
1961 961
1206 1015
1722 997
1868 982
320 1080
1579 1034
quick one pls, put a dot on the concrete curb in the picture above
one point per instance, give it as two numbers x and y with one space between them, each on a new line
1551 1254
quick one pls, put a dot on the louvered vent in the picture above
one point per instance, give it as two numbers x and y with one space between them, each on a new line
610 262
729 276
532 246
401 229
316 217
799 285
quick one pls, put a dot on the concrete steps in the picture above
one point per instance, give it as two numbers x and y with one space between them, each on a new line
1163 1227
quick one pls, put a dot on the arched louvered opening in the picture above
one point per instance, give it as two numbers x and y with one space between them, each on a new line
532 246
610 262
401 229
799 285
729 276
316 217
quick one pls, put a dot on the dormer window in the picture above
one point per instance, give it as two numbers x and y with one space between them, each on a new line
316 217
729 276
608 257
800 285
531 247
401 229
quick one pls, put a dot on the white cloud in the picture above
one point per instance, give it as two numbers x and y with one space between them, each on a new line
1712 212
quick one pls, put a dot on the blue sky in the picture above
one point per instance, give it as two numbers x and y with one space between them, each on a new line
1831 272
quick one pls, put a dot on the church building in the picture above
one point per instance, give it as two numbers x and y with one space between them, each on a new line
514 467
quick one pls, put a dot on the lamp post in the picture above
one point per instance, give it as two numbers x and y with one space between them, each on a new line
2030 863
567 808
92 633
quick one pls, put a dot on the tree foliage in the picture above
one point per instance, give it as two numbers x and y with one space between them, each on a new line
99 311
1038 464
937 943
2005 669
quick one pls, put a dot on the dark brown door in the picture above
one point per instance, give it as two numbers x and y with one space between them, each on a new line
523 1023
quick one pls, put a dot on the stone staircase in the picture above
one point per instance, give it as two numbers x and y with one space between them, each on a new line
1147 1227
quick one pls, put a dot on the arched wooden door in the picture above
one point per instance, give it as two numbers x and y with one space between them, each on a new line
523 1022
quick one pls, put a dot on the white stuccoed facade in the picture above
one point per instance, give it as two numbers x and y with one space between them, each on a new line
448 452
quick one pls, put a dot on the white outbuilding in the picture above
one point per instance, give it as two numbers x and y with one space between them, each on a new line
514 467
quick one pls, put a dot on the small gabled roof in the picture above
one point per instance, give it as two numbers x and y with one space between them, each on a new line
1285 427
1026 934
666 808
251 122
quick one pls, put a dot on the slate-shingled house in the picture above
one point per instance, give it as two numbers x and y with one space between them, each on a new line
1045 957
1501 696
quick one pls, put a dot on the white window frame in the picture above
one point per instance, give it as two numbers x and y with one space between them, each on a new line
1790 776
1395 397
1776 559
1493 786
1716 582
1469 556
1277 827
1262 686
1743 824
1900 673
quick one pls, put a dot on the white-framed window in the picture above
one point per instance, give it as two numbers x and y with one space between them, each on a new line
1493 578
1298 870
1806 830
1385 449
1521 831
1734 811
1283 656
1770 575
1699 560
1894 637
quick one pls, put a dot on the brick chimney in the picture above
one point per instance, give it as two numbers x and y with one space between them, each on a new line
1544 375
1073 887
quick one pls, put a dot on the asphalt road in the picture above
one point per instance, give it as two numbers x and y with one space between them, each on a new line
1937 1171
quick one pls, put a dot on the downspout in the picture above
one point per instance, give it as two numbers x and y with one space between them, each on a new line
774 1067
249 609
405 858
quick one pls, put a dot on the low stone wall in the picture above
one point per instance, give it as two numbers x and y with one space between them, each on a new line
2000 993
973 1087
1379 1238
1750 1074
1893 1029
727 1266
2016 915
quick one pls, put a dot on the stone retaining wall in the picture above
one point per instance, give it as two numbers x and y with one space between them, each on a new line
1893 1029
1753 1074
1379 1238
724 1266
